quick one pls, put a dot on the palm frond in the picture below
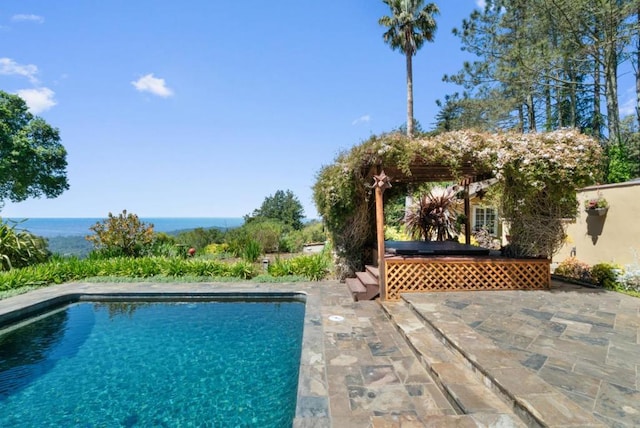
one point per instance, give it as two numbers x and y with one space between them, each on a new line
433 217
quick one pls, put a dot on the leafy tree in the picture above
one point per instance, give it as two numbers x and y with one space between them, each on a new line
282 206
409 26
199 237
619 167
264 231
631 139
124 235
32 160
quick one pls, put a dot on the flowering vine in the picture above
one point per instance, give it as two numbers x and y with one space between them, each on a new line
537 173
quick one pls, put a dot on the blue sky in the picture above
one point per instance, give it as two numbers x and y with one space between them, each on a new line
204 108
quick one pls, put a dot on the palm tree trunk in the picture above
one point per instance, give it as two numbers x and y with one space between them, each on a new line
409 95
638 71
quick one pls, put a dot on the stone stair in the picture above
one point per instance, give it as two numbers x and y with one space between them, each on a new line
507 397
365 285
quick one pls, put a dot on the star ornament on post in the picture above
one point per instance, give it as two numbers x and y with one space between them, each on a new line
382 181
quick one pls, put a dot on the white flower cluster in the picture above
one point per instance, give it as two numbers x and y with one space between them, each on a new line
560 154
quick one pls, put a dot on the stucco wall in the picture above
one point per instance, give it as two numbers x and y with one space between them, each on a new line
610 238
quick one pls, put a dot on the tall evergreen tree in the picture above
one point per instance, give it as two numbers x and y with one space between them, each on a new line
409 26
551 60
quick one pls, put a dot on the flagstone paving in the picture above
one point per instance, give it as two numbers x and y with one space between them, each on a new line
584 342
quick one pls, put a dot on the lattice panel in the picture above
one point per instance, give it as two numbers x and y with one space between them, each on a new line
423 275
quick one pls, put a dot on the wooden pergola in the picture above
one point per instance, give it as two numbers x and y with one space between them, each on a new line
512 274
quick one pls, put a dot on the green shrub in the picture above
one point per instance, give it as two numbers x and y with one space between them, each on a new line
313 267
123 235
266 232
165 249
605 275
163 245
216 249
395 233
251 251
292 242
199 238
242 269
314 232
60 270
19 248
280 267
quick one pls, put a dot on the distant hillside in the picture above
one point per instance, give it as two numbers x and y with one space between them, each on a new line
69 246
78 246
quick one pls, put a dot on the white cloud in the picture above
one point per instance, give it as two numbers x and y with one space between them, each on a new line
28 17
481 4
10 67
38 99
154 85
629 106
362 119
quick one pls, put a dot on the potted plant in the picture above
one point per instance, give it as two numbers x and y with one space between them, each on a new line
596 206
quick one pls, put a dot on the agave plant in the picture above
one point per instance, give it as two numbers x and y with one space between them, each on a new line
433 216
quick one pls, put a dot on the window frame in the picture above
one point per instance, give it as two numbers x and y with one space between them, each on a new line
486 209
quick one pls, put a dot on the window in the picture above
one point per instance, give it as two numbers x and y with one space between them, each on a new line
485 217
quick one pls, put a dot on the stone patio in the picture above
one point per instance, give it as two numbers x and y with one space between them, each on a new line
584 342
564 357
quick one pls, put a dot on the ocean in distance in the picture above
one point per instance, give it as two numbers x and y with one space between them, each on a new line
52 227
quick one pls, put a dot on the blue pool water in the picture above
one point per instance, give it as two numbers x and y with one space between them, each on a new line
204 364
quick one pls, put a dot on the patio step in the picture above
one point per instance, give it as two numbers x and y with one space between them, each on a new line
367 279
373 270
364 286
464 390
356 286
471 381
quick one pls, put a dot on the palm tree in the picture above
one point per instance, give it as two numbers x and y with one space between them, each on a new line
409 25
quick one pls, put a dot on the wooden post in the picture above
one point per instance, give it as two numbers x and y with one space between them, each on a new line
381 183
467 213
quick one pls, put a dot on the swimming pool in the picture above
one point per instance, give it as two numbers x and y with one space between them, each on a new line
154 363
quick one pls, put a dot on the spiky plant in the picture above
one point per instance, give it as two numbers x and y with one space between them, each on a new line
433 216
19 248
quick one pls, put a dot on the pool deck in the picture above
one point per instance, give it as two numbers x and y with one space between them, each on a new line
569 356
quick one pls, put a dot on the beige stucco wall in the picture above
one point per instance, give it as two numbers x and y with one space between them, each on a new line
610 238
